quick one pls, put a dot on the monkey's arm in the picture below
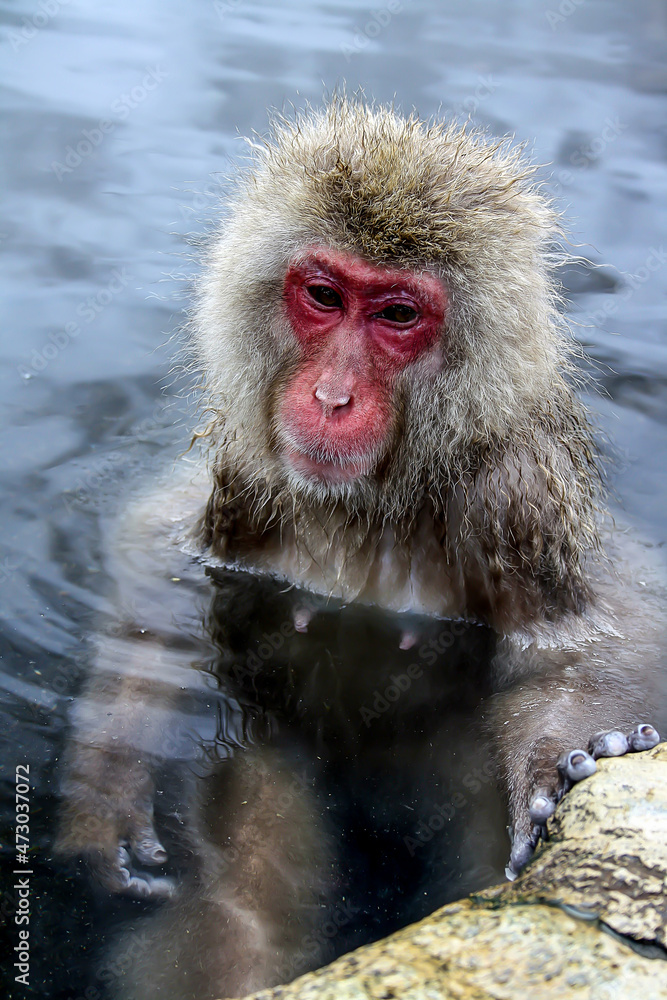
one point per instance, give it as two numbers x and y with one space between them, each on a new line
586 685
582 635
126 723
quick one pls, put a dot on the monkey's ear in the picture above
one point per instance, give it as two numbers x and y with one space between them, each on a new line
521 524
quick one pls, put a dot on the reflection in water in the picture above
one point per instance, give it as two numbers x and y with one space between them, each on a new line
320 785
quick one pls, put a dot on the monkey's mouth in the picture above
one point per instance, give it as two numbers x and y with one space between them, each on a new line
326 470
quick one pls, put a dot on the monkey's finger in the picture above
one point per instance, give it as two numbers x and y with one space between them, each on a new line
542 806
147 887
115 875
611 743
112 871
643 737
523 848
146 847
574 766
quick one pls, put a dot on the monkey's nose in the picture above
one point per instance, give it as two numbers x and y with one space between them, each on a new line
332 399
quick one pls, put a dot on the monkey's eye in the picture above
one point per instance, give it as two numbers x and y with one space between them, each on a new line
325 296
398 314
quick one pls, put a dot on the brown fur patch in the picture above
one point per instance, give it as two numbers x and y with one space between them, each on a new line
495 441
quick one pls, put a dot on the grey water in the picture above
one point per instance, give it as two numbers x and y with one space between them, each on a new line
121 123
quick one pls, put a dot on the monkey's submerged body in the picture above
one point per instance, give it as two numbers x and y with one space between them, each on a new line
393 425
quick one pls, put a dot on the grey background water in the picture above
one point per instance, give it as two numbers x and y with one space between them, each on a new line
120 123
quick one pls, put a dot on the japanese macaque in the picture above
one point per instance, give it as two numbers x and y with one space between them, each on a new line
394 436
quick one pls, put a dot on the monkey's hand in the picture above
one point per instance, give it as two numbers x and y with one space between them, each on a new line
549 785
107 819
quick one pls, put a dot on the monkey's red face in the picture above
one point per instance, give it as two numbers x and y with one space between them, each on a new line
358 326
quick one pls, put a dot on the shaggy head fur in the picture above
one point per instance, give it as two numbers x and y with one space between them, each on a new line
442 198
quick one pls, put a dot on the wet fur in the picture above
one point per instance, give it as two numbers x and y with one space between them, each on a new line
495 443
493 451
486 505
